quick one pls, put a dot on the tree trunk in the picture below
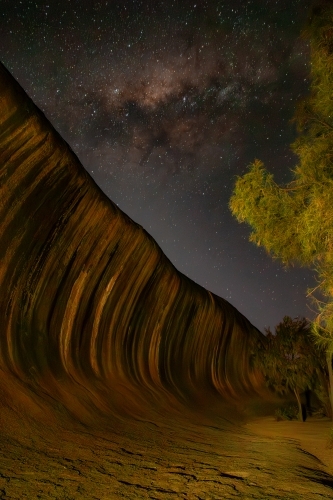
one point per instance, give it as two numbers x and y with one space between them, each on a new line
330 375
300 415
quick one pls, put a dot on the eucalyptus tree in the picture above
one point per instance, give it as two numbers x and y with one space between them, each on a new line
289 359
294 222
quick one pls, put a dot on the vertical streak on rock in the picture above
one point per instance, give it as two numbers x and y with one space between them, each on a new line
66 330
97 319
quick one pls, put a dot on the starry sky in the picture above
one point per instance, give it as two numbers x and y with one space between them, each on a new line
165 103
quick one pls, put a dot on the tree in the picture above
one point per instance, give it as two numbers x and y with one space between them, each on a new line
289 359
294 222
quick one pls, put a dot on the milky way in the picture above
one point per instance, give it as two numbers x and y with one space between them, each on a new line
165 103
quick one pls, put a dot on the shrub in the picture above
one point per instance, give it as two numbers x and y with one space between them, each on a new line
289 412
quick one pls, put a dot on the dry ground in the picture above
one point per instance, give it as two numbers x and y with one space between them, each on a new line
167 457
312 436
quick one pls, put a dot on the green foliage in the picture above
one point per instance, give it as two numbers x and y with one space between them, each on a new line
289 412
291 361
266 207
288 360
325 409
294 222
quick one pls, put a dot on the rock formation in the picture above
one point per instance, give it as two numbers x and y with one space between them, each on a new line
88 300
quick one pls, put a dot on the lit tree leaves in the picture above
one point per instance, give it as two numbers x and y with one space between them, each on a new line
294 222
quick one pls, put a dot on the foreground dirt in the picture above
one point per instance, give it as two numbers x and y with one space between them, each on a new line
312 436
167 458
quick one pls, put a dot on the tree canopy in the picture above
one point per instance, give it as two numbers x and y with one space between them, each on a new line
290 361
294 222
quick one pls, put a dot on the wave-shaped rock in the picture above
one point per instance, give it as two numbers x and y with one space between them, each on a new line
90 306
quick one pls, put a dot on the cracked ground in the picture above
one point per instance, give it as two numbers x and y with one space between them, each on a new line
170 456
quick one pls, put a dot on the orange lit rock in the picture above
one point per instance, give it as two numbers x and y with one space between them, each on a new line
88 297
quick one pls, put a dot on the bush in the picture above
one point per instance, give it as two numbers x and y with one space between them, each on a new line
289 412
321 412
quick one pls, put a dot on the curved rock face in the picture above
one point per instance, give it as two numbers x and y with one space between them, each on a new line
90 306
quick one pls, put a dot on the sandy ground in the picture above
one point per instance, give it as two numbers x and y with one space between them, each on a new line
166 457
312 436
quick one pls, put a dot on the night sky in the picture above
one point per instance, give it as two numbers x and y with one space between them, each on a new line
164 103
